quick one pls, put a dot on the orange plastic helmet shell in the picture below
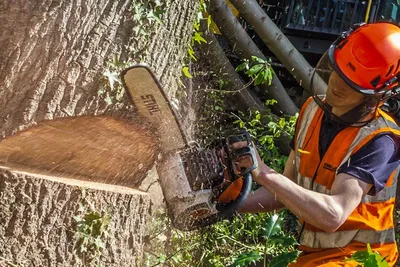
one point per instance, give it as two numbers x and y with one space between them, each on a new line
369 57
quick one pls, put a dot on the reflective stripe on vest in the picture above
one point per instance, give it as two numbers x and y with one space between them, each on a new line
365 224
343 238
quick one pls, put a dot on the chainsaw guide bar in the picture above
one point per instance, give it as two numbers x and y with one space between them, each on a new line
200 187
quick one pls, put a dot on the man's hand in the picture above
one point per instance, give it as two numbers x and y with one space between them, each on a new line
246 161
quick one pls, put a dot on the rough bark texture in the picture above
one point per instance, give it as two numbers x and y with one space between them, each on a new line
52 63
37 225
53 55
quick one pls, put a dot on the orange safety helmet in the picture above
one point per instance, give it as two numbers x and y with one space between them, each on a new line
367 57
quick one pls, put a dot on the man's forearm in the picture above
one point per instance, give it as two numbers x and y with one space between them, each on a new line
261 200
315 208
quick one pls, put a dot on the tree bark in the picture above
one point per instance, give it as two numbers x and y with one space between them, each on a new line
245 48
52 63
37 225
279 44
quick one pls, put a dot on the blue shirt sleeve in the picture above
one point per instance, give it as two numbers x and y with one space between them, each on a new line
374 162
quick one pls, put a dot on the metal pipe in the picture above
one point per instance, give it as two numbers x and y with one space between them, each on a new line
368 11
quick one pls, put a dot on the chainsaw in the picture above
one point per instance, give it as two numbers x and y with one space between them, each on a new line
200 187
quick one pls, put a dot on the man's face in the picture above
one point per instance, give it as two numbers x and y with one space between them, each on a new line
340 96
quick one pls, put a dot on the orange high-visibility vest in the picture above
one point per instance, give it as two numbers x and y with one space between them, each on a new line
372 220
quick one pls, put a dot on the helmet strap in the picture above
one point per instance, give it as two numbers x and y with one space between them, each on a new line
359 116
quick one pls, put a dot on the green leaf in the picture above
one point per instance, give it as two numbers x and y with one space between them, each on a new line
266 75
246 258
360 256
284 259
108 99
199 17
368 258
92 216
221 84
282 122
77 218
208 22
270 102
258 60
284 240
162 258
270 76
273 226
191 52
254 70
198 38
259 78
113 77
185 71
242 66
196 26
99 243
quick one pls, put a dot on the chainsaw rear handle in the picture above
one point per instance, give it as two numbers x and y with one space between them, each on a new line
248 150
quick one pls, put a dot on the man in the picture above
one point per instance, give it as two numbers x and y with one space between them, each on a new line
344 161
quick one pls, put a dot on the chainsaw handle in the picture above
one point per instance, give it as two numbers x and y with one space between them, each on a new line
243 151
247 151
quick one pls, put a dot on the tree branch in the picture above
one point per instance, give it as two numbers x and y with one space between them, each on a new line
223 68
245 48
279 44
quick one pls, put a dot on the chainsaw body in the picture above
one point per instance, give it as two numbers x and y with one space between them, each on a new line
200 187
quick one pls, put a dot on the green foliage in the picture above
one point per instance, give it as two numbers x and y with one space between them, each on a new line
111 90
236 242
91 229
368 258
185 71
258 69
265 132
247 258
284 259
146 14
197 36
274 238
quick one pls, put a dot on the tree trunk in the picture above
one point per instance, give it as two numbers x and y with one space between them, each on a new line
223 68
52 63
37 225
278 43
245 48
